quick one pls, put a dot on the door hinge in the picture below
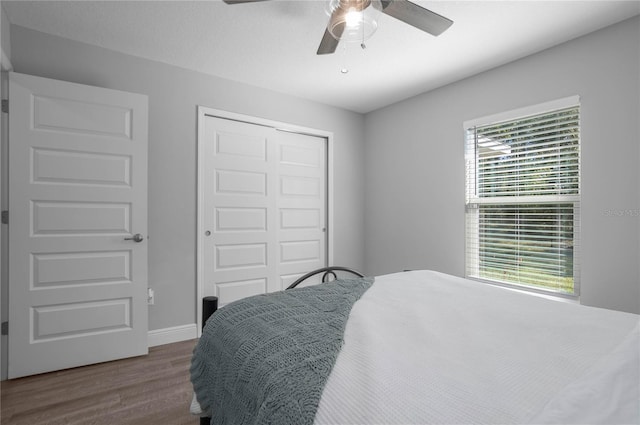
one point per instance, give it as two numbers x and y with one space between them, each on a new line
5 217
5 106
5 328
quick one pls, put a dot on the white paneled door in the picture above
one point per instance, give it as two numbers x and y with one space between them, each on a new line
263 212
77 225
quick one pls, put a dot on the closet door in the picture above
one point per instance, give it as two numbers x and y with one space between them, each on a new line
263 207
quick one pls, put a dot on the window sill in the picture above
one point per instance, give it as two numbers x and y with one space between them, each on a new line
566 298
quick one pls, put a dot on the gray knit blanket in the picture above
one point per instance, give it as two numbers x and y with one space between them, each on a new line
265 359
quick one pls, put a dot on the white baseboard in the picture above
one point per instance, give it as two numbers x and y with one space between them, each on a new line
173 334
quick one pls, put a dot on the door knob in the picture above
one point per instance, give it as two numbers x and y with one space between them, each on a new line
136 238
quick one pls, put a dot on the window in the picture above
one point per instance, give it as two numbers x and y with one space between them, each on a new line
523 197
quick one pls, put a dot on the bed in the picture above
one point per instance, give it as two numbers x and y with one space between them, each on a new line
420 347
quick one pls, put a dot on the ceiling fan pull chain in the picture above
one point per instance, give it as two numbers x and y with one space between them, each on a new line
362 45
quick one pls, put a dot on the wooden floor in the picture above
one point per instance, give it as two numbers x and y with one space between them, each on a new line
153 389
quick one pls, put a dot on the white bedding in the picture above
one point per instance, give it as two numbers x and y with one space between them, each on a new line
424 347
428 348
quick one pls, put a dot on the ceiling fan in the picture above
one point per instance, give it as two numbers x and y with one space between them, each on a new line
342 22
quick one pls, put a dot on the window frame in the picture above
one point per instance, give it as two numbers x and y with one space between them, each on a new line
475 202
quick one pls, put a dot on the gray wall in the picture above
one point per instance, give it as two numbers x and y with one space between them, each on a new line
5 33
415 165
174 94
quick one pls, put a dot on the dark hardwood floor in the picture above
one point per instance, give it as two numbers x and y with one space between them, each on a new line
153 389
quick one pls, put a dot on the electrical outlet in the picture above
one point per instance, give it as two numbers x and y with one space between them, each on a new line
151 296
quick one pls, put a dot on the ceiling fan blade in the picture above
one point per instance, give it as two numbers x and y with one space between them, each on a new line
328 44
417 16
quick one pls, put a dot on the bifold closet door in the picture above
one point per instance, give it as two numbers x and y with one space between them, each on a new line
264 207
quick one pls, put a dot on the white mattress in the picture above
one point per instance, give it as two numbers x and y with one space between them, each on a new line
423 347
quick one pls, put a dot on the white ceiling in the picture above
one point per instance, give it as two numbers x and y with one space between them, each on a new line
273 44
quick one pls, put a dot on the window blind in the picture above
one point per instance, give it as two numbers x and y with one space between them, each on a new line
522 201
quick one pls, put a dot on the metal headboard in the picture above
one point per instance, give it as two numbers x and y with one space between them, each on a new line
331 270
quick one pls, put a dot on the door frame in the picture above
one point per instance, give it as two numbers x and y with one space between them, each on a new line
5 68
203 112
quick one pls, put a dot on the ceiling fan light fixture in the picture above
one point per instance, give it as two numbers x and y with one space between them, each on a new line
353 20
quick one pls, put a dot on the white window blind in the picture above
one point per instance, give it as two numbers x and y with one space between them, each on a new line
523 198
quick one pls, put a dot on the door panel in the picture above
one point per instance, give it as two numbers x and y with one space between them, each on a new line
238 209
80 218
79 319
81 168
264 207
78 188
302 207
81 269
